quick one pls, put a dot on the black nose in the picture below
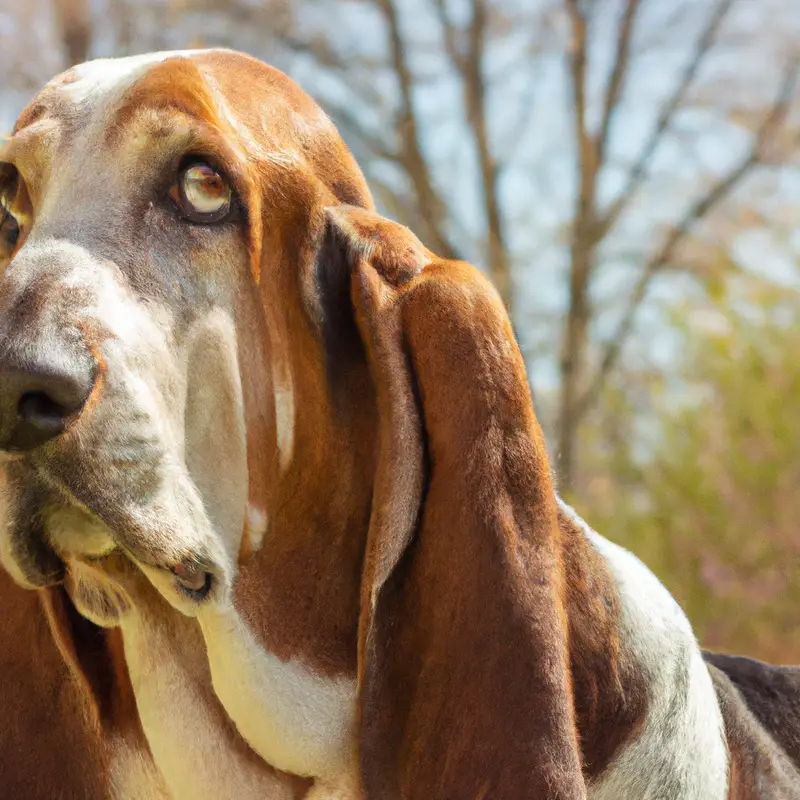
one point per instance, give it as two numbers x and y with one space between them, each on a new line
38 400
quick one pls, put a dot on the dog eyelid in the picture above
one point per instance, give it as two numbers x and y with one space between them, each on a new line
9 221
202 194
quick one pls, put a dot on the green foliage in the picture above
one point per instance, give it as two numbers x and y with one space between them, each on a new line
711 501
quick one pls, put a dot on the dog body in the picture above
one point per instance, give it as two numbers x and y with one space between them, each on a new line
291 455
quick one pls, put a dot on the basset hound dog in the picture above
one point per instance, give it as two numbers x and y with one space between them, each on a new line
283 460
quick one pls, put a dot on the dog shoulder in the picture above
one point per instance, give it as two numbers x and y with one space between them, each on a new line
682 738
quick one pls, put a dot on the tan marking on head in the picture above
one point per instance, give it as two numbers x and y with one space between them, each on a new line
94 81
174 85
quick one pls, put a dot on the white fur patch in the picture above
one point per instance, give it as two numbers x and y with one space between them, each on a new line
188 734
257 524
215 429
295 719
284 417
681 752
103 76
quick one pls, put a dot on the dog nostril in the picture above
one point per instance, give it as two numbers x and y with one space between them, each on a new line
42 390
39 411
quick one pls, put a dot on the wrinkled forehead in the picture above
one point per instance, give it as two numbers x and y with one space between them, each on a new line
93 106
148 105
91 91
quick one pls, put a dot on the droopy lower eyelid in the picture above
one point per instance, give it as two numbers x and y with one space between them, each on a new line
9 226
9 184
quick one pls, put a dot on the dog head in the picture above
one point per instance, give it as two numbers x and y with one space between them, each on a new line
157 209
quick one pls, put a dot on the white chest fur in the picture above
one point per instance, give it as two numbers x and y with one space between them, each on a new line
297 720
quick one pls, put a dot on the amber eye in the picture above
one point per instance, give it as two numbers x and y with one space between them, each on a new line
202 194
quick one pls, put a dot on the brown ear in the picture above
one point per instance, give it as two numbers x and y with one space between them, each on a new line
92 656
463 668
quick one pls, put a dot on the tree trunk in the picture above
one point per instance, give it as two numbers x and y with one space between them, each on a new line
573 363
74 19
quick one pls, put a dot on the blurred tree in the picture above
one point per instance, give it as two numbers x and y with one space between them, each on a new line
712 506
481 49
582 151
75 26
592 223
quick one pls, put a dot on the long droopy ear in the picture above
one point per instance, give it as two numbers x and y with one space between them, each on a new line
463 656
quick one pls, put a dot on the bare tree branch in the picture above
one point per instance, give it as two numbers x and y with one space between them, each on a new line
618 73
589 226
75 22
515 135
404 129
450 35
353 128
396 205
431 203
326 56
577 60
574 343
475 99
699 210
639 169
469 63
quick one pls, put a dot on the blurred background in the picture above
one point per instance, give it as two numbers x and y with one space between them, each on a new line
628 174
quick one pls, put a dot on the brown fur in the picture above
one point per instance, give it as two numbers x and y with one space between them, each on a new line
315 548
610 692
54 741
463 545
85 659
759 768
772 694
